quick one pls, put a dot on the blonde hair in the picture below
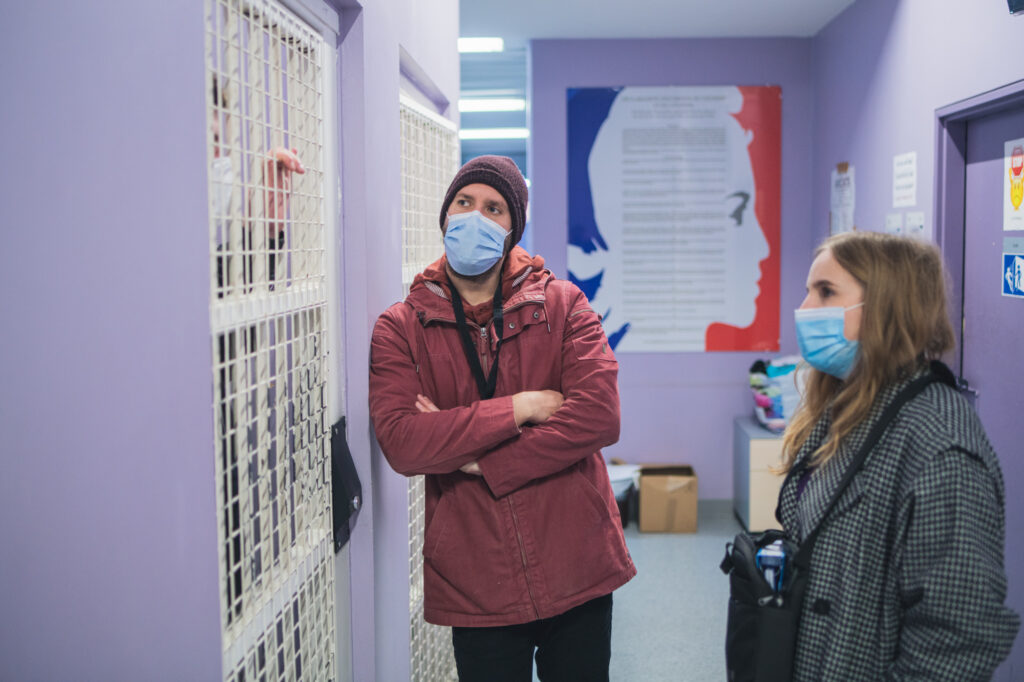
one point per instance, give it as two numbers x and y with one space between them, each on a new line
904 324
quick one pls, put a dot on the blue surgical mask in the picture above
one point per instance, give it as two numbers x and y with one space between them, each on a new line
819 332
473 243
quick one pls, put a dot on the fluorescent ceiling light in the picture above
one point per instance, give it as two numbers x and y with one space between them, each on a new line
481 45
494 133
492 104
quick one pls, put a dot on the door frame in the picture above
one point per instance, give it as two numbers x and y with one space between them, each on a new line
950 191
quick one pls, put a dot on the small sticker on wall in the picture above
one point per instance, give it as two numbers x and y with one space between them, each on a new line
894 223
1013 185
843 199
1013 267
915 224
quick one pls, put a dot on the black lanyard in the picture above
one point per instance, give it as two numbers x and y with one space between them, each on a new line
487 387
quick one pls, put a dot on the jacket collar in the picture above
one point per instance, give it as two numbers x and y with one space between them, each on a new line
805 514
523 279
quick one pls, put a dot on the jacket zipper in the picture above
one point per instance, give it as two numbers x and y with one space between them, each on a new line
522 556
482 351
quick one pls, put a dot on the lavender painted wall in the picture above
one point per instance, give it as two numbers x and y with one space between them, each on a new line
677 407
371 203
107 502
882 68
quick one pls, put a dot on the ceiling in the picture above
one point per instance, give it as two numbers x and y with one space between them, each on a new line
518 21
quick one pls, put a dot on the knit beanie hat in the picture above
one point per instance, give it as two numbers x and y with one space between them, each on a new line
501 173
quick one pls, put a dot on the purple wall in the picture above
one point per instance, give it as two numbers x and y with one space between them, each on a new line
881 71
109 567
371 191
677 407
107 502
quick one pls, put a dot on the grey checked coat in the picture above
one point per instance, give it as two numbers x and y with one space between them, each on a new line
907 578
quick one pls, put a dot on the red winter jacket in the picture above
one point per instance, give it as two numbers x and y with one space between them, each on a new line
539 532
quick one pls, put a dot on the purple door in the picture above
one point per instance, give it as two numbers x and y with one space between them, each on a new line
992 359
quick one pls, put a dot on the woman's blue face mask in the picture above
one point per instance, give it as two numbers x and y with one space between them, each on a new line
473 243
819 333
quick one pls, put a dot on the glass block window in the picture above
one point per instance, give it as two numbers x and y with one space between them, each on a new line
268 314
430 158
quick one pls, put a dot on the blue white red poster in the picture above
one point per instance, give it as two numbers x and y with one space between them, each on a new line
674 214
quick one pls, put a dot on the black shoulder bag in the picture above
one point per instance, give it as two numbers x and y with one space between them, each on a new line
760 637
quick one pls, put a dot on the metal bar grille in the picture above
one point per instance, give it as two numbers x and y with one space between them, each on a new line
268 312
430 157
268 233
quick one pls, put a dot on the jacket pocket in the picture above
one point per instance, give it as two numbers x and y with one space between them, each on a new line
593 495
433 534
579 542
469 560
592 349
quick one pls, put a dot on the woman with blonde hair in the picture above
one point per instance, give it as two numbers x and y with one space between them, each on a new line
906 577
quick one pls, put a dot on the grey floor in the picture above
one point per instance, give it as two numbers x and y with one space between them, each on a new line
669 621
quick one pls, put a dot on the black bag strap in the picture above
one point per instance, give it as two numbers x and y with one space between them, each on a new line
485 386
937 372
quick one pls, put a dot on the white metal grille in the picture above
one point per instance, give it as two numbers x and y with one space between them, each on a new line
430 157
268 313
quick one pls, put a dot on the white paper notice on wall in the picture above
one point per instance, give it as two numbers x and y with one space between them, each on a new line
843 199
915 224
904 180
894 223
1013 185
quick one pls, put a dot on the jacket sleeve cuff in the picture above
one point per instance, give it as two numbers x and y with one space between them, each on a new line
489 467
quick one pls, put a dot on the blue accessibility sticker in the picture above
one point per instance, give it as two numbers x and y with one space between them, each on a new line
1013 275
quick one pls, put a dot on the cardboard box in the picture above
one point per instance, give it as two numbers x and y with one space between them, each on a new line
668 499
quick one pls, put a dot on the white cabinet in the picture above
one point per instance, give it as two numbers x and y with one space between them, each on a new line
755 488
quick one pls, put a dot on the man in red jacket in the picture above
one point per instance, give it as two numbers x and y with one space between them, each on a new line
495 379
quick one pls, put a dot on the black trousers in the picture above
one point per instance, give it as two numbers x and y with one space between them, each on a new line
574 646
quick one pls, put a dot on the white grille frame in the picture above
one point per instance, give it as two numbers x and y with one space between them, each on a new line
270 345
430 159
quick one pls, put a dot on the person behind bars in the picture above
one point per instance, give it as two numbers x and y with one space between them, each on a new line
276 182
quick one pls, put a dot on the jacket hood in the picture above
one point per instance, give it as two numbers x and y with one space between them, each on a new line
520 268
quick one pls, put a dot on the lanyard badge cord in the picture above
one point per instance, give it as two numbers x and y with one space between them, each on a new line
485 386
